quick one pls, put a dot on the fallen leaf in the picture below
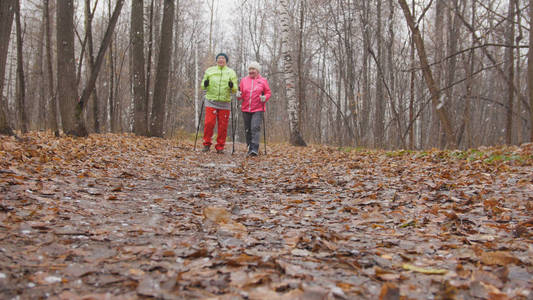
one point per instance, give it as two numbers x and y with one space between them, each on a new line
429 271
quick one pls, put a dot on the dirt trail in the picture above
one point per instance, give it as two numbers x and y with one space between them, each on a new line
123 217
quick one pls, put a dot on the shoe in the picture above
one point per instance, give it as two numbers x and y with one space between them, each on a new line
206 149
252 153
220 151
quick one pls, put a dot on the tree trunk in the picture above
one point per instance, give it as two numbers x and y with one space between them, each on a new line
428 76
380 102
435 131
39 76
162 73
529 74
451 62
365 127
412 89
51 94
467 116
21 81
138 77
7 11
67 92
149 59
290 75
509 70
89 88
300 63
89 53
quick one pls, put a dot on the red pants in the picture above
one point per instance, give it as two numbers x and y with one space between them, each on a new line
213 115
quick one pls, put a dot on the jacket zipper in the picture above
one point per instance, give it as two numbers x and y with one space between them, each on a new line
250 101
219 84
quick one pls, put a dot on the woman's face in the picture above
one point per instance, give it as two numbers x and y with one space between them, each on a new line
252 72
221 61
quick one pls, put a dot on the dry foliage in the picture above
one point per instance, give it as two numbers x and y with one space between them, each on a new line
124 217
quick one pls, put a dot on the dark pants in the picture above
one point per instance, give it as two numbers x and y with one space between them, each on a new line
252 128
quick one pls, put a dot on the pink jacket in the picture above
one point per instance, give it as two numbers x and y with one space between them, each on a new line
251 89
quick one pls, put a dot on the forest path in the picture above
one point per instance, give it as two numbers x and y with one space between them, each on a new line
145 217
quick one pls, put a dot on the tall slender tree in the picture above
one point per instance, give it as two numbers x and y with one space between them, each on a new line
509 70
89 53
290 75
379 117
7 12
67 91
162 73
91 82
428 76
137 67
52 99
21 80
529 73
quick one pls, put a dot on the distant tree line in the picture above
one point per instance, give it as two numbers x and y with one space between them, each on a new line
409 74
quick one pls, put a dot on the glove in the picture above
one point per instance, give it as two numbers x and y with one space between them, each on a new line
230 84
206 83
263 98
238 94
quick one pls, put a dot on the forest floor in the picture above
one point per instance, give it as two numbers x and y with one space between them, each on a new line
125 217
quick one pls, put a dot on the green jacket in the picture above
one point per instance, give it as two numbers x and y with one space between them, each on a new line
218 89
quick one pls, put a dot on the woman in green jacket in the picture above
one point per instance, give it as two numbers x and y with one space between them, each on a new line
220 82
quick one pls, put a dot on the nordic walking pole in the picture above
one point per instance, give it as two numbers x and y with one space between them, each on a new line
232 129
264 127
233 123
198 127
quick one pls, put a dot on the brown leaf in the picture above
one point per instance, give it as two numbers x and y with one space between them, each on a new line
216 214
502 258
389 291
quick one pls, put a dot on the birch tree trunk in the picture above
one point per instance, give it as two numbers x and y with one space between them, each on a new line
138 76
162 73
7 11
451 141
451 63
290 75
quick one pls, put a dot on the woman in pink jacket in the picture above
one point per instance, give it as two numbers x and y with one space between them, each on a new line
254 92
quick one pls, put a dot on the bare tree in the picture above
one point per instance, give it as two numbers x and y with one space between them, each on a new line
137 68
431 84
529 74
290 75
509 70
7 11
162 74
89 53
52 100
99 59
412 87
21 81
67 92
379 116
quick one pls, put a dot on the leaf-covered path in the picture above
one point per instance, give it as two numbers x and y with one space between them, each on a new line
123 217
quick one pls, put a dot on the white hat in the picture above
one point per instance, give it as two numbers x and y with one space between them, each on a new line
255 65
